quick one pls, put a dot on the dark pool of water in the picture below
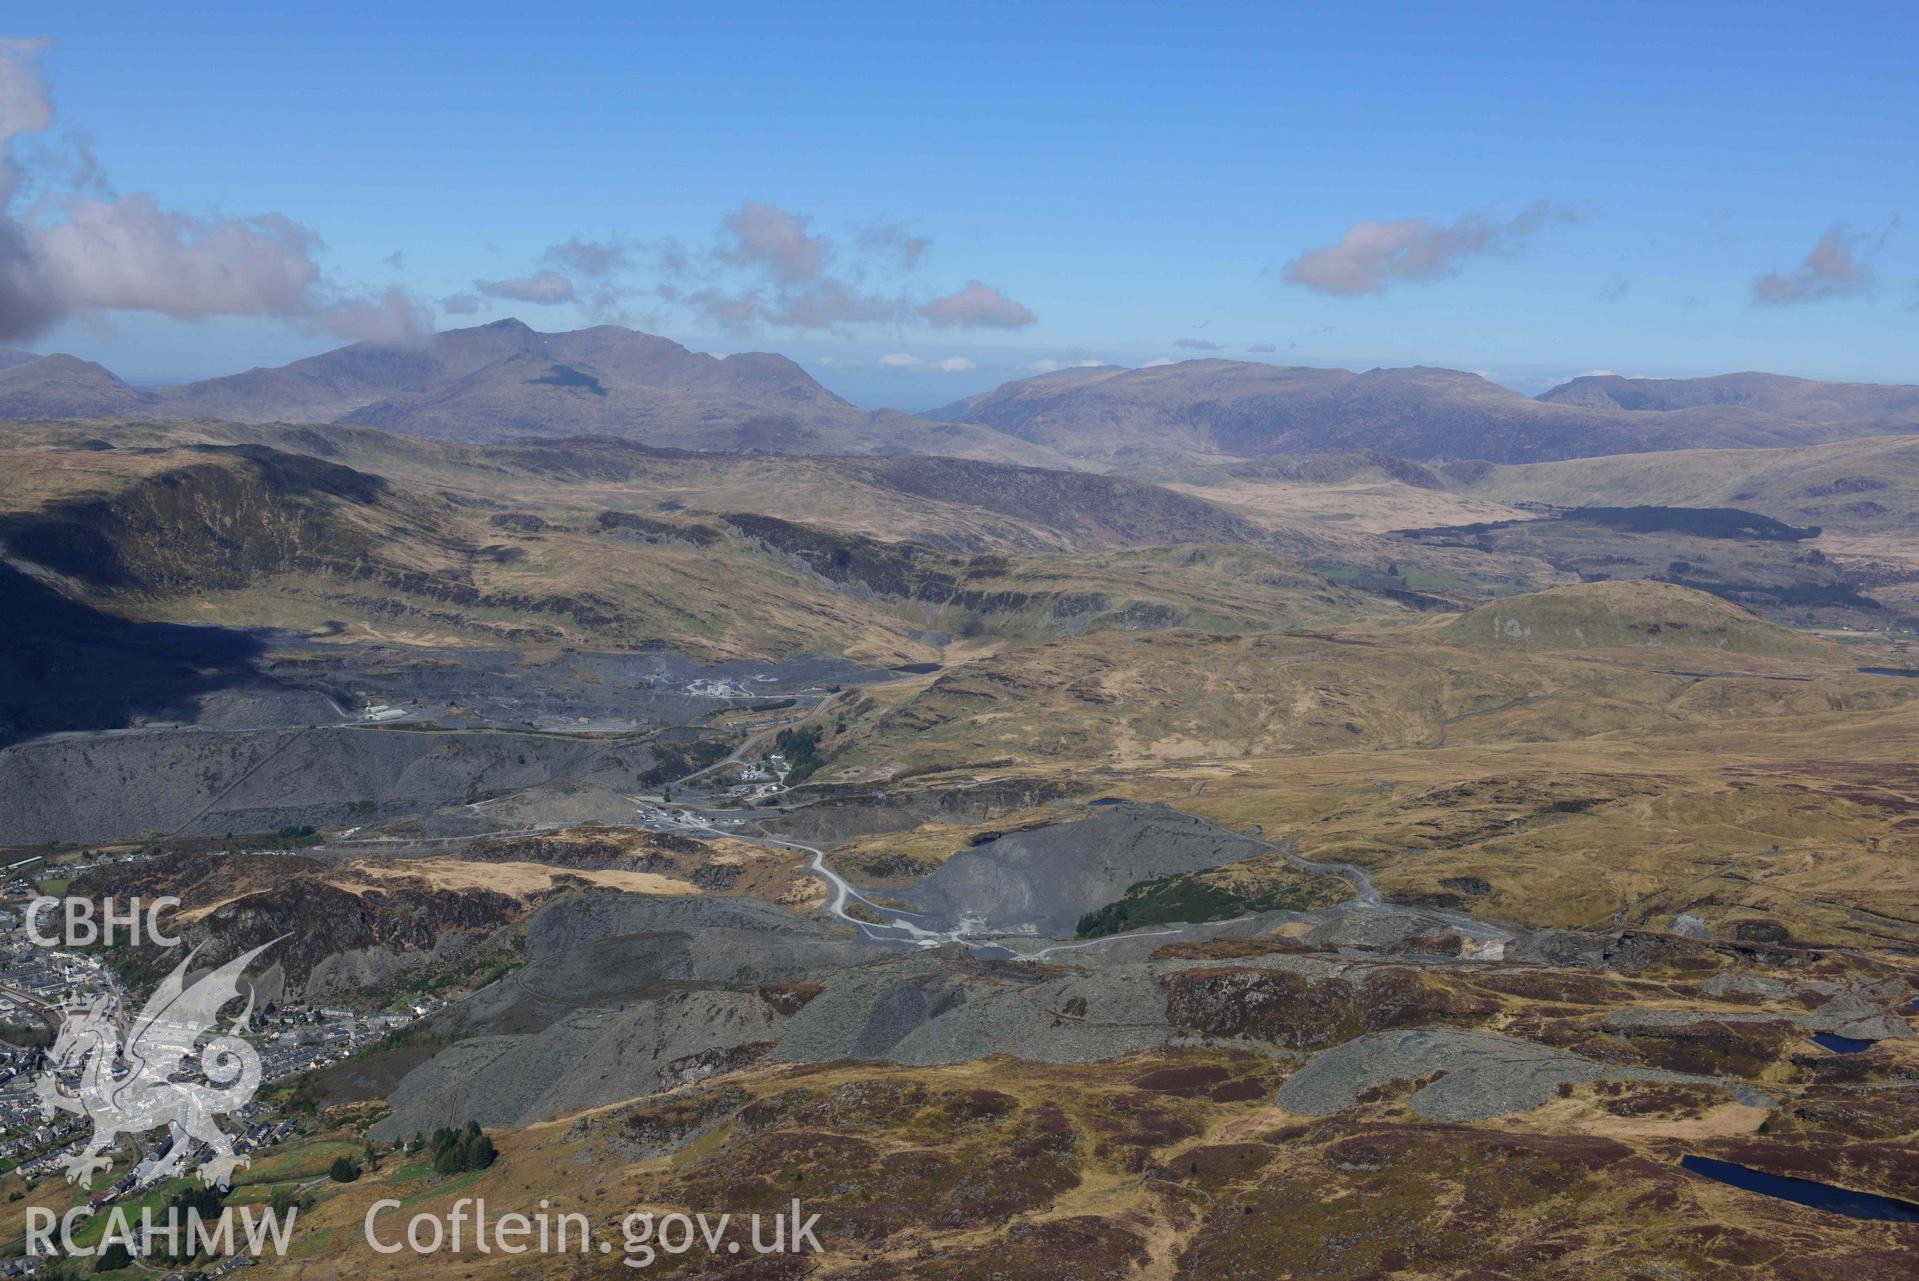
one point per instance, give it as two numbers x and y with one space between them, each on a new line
1891 671
1820 1196
1842 1044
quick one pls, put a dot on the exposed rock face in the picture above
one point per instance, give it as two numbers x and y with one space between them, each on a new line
657 1127
632 987
840 818
337 939
1857 1011
1094 508
1468 1076
241 512
207 784
1300 1012
622 995
587 1059
1042 881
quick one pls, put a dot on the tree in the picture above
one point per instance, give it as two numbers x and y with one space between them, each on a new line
343 1170
467 1148
480 1152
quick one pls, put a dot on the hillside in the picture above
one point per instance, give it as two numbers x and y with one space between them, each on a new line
1870 485
621 546
1612 615
1862 494
1511 670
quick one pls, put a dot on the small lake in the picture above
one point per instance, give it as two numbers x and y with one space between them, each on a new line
1842 1044
1820 1196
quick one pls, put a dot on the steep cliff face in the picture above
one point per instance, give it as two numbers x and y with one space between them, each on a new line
222 519
338 935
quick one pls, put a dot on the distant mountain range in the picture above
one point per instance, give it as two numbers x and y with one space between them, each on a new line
1170 414
1798 399
505 380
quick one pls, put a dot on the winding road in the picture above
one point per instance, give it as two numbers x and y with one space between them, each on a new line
895 929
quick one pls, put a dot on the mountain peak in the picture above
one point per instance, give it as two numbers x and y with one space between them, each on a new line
64 386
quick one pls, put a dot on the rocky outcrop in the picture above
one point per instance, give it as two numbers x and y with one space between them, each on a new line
1462 1076
1303 1011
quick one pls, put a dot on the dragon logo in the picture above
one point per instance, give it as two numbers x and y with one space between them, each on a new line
133 1077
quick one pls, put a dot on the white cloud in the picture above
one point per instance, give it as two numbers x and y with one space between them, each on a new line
955 365
1369 256
1157 361
543 289
589 258
1049 365
1836 267
899 360
769 267
85 251
892 240
977 306
774 241
790 285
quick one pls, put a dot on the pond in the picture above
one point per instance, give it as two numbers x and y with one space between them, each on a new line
1820 1196
1842 1044
1890 671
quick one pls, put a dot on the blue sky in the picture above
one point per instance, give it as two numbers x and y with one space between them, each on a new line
1491 187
